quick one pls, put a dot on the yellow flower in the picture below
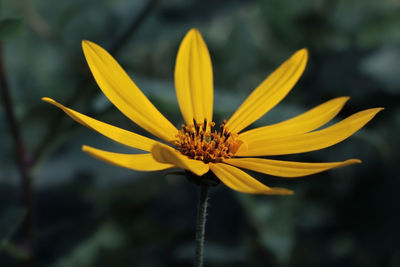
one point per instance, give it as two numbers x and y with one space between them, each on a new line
201 146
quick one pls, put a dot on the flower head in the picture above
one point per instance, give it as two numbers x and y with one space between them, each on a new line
201 145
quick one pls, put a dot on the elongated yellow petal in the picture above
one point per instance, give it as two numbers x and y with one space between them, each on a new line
124 94
303 123
194 78
287 169
269 93
117 134
240 181
309 141
137 162
166 154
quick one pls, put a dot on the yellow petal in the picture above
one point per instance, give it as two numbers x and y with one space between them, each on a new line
303 123
287 169
137 162
240 181
194 78
269 93
166 154
309 141
124 94
117 134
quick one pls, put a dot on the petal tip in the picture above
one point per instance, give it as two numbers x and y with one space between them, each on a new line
85 148
341 101
374 111
51 101
280 191
193 31
47 99
193 34
350 162
303 52
85 43
344 98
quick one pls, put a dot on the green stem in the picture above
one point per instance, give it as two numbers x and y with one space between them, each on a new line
200 227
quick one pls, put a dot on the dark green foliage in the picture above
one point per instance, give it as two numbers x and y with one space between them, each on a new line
89 213
10 220
10 28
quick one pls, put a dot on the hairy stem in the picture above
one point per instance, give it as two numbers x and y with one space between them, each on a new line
200 227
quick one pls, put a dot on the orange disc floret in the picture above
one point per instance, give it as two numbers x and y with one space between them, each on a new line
200 141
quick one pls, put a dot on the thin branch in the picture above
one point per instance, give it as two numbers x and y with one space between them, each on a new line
54 126
23 161
37 23
134 26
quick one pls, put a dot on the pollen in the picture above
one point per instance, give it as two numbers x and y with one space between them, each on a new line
202 141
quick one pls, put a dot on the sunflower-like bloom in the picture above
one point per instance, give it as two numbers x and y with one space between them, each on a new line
200 145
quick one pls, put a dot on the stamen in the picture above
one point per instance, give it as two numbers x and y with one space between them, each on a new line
198 143
196 126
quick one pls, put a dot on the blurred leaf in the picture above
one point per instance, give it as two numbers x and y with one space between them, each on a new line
107 237
11 27
10 220
16 252
382 66
381 29
273 219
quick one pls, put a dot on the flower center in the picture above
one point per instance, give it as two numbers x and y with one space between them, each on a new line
201 141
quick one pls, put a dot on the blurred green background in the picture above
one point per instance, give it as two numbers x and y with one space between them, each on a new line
89 213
